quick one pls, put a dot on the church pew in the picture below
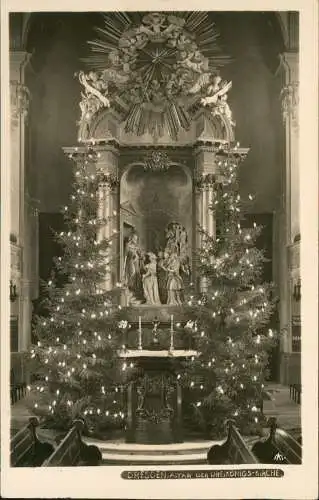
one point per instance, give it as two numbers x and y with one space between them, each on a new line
233 451
295 393
72 451
17 392
17 389
278 448
26 450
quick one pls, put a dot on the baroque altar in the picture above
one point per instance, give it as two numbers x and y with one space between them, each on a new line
154 109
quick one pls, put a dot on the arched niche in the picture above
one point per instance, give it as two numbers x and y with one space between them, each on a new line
150 200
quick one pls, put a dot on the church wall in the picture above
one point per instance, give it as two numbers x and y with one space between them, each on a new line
256 109
56 95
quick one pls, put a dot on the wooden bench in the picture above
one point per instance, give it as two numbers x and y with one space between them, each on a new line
279 448
233 451
72 451
26 449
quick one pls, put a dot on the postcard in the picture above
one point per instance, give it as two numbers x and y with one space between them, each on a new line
159 250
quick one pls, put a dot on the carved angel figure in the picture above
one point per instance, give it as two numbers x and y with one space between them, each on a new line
174 29
154 21
215 85
224 109
114 57
174 23
95 85
212 99
117 77
191 60
202 81
89 105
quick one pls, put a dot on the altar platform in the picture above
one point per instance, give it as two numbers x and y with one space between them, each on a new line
145 353
162 312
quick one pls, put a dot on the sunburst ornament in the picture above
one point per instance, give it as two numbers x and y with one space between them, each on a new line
152 68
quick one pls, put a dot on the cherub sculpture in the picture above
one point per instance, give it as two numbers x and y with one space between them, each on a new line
119 77
174 29
152 24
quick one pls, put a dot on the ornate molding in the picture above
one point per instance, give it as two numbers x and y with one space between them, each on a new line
157 161
156 67
290 102
294 256
15 260
205 180
111 181
19 100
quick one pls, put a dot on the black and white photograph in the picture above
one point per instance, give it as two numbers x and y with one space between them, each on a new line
155 291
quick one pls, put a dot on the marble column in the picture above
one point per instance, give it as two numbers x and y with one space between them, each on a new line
290 221
21 310
205 174
109 210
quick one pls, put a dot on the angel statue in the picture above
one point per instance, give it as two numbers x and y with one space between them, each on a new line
174 29
88 107
155 22
118 77
217 92
95 85
224 109
217 98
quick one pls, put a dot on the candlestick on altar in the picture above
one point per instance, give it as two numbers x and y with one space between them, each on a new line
140 347
172 322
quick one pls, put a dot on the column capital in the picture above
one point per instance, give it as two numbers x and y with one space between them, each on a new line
289 65
203 181
19 100
110 181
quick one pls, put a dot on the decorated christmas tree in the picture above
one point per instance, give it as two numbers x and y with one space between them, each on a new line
78 370
229 320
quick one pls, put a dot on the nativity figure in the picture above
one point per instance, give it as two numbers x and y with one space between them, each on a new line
150 283
133 265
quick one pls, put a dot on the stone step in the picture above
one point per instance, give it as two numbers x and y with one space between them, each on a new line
113 459
121 453
129 449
